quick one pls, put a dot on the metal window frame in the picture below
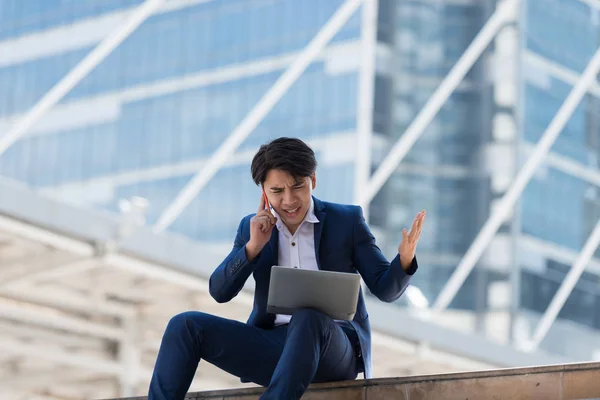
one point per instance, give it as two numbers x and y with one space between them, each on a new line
365 101
448 85
505 205
80 71
256 115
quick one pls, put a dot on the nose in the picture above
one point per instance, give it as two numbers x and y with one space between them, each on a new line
288 197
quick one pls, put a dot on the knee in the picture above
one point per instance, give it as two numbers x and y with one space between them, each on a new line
184 322
310 317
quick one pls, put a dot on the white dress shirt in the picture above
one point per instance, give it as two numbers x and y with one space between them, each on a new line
297 250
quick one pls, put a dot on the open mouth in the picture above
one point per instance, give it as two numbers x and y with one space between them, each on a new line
291 213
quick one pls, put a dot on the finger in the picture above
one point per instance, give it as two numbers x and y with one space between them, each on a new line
422 220
420 216
404 235
261 205
263 219
264 225
413 228
419 228
417 235
417 224
271 218
268 226
267 216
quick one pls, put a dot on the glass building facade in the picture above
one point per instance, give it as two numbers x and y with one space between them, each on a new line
466 159
558 208
440 173
148 117
150 114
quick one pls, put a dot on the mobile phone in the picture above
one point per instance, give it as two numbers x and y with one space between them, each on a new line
267 205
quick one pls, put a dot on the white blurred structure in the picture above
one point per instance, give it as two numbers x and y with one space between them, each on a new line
85 295
80 320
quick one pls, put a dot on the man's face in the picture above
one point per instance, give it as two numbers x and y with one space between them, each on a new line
289 198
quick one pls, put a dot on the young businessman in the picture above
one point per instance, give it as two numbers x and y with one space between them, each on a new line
294 229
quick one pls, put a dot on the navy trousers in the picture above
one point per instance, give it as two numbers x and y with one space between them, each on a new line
286 359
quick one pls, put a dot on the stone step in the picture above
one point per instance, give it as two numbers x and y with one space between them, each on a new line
561 382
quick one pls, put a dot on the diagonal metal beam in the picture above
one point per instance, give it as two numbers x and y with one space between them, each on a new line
437 100
257 114
569 166
80 71
508 201
561 296
364 123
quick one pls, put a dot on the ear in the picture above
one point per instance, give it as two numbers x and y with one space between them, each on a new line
313 180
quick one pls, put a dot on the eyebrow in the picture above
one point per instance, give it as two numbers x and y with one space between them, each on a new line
300 183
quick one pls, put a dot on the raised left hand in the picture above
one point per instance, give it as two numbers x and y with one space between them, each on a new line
408 246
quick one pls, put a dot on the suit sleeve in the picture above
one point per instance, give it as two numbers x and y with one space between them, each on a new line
385 280
231 275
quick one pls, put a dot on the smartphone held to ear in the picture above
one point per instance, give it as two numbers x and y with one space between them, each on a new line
267 205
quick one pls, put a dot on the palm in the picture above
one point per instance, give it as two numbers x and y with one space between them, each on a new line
408 245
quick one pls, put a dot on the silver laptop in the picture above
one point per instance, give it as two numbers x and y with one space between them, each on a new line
332 293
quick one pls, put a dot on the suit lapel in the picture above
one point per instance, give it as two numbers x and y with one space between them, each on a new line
321 214
274 245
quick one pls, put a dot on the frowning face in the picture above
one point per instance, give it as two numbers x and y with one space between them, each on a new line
289 197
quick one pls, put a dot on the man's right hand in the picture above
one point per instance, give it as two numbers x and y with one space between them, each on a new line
261 227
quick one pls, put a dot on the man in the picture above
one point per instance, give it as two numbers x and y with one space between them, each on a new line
291 228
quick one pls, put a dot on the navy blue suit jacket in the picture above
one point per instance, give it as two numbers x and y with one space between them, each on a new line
343 242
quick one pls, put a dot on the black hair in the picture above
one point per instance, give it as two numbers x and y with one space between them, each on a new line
286 154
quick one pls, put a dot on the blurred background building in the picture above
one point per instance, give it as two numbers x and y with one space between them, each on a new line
158 107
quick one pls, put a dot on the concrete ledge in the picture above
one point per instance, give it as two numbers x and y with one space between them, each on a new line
561 382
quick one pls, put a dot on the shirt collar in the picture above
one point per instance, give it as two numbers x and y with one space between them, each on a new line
309 217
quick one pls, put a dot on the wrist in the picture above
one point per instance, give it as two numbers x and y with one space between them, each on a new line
252 251
409 266
405 263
